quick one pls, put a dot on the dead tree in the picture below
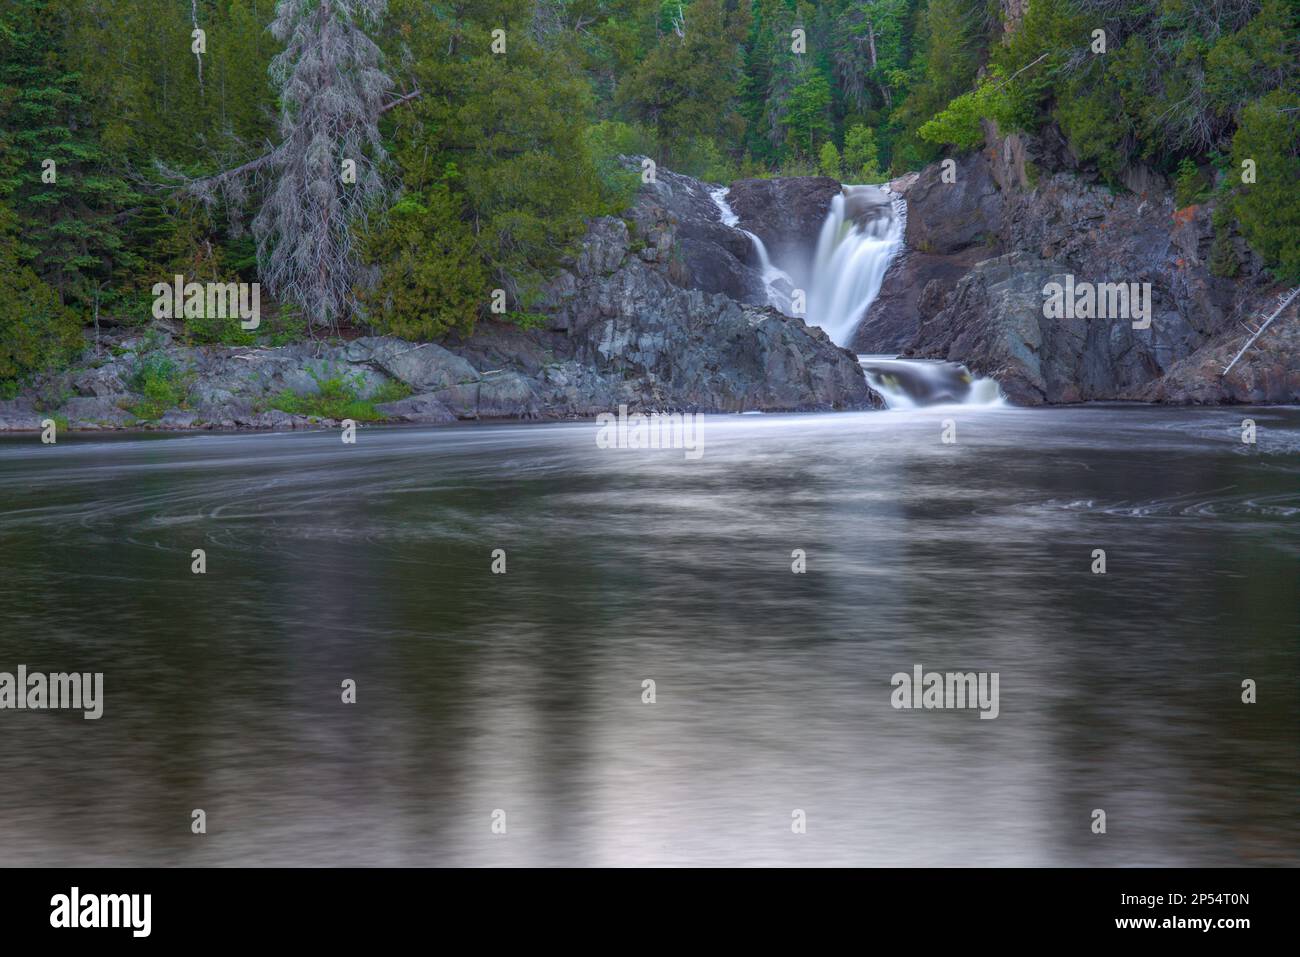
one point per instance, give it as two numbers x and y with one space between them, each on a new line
325 175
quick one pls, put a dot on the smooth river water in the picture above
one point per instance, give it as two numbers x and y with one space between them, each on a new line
523 691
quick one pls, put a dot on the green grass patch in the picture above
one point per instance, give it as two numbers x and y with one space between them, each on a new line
339 398
161 382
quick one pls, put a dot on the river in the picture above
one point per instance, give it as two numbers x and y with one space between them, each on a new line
523 692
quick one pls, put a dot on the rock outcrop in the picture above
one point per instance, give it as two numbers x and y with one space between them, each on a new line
786 213
1021 212
678 225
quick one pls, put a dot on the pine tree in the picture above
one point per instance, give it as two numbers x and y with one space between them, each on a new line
52 170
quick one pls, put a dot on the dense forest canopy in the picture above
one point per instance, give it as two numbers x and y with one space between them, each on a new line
483 133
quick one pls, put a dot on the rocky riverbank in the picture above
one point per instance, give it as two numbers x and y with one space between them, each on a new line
662 310
666 308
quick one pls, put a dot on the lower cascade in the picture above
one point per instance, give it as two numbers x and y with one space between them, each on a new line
914 383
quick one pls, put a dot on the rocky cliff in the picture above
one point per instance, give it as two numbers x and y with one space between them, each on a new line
984 240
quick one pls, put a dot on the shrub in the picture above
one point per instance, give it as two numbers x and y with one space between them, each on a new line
1189 185
1269 209
861 157
339 397
37 334
162 383
433 279
828 161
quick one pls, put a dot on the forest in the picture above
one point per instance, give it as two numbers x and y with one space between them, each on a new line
384 165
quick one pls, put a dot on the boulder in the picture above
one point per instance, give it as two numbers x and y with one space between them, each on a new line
427 409
20 415
89 412
425 367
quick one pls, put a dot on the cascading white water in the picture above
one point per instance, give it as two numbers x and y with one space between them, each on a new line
776 281
862 234
915 383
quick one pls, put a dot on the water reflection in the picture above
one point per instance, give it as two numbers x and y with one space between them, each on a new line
522 691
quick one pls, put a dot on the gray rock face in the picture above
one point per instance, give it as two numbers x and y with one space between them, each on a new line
691 350
19 415
913 291
425 367
98 382
85 412
1269 372
994 323
418 408
679 226
944 218
1021 212
950 227
786 213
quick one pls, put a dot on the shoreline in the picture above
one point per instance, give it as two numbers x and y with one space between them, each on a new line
593 419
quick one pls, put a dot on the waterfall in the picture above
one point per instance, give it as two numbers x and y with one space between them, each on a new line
776 281
862 234
914 383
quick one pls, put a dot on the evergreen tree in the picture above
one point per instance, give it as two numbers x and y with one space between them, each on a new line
52 170
807 116
688 87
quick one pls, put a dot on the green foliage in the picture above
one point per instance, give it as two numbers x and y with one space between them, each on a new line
828 161
1269 209
950 44
37 334
1189 185
506 137
161 382
861 158
432 276
606 141
807 111
686 88
339 397
53 172
1223 254
958 124
501 159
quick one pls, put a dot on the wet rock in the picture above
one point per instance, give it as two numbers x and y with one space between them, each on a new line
427 409
84 412
20 415
678 226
